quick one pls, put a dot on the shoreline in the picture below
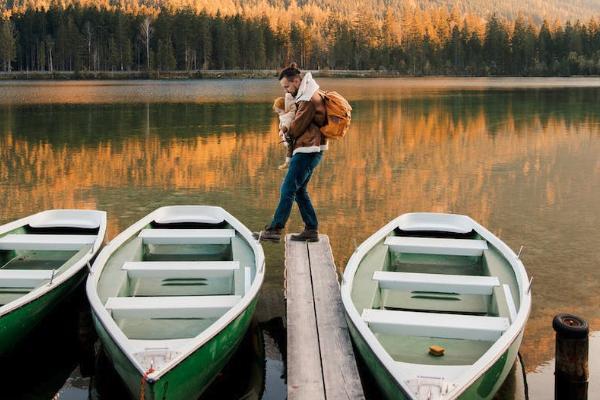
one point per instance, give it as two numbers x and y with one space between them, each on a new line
230 74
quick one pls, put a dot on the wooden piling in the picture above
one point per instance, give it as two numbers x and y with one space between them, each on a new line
320 358
571 365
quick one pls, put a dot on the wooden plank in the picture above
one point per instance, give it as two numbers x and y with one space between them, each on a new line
304 375
340 373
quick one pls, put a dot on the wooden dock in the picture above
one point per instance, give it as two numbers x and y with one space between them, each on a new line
320 358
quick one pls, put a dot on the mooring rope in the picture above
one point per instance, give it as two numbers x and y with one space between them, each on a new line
524 376
142 386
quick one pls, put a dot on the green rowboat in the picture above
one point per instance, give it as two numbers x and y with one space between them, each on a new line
172 297
43 258
436 306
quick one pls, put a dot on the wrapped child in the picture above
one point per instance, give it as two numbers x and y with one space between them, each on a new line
286 109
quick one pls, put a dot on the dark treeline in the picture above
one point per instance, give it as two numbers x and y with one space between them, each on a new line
83 38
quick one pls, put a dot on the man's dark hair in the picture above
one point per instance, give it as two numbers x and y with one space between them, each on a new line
289 72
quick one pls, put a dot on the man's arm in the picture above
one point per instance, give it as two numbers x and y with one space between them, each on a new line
304 116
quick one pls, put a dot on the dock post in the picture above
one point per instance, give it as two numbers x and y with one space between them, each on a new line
571 365
320 358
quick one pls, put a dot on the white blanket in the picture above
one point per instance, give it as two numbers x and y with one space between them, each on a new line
307 88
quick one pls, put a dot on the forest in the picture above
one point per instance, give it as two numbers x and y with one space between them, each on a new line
407 40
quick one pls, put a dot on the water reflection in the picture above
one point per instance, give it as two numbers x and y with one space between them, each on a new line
522 162
40 365
242 378
66 361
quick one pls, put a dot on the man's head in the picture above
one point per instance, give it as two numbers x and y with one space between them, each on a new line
290 79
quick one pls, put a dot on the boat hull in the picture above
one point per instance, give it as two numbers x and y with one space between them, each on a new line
15 325
484 388
189 378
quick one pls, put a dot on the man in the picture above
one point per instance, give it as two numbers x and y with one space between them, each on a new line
307 144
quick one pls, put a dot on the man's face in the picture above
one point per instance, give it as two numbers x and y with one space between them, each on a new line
291 85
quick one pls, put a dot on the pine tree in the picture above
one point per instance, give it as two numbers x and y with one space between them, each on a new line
456 51
523 47
231 55
218 42
544 48
496 46
165 55
7 45
205 40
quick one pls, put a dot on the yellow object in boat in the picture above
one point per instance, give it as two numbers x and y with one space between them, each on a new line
436 351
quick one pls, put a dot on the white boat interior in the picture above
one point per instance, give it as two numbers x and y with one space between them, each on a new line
37 250
429 281
165 283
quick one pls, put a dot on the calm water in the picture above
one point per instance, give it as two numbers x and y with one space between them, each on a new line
521 156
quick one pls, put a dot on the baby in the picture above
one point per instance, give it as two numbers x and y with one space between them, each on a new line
286 109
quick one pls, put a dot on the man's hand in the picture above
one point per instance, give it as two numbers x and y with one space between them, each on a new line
288 139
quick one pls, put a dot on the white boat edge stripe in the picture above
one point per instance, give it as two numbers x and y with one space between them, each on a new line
117 335
494 352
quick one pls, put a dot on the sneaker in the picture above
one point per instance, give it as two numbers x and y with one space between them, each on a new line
268 234
307 235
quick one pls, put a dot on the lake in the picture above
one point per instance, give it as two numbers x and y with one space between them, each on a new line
520 156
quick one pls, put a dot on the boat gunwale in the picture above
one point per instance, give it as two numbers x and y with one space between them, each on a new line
203 337
63 277
487 360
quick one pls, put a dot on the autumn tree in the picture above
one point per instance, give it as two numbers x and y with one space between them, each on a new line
126 36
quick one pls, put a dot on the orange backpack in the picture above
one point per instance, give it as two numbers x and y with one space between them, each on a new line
339 114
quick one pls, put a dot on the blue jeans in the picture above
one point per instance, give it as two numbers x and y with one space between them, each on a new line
294 188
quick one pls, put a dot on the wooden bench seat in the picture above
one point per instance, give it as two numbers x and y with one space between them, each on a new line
460 284
449 247
181 269
167 307
24 278
187 236
46 242
449 326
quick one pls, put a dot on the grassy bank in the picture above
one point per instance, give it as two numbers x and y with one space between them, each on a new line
200 74
228 74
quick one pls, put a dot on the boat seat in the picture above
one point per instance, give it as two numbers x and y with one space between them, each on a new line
460 284
170 307
24 278
181 269
505 302
242 252
446 247
187 236
45 242
449 326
